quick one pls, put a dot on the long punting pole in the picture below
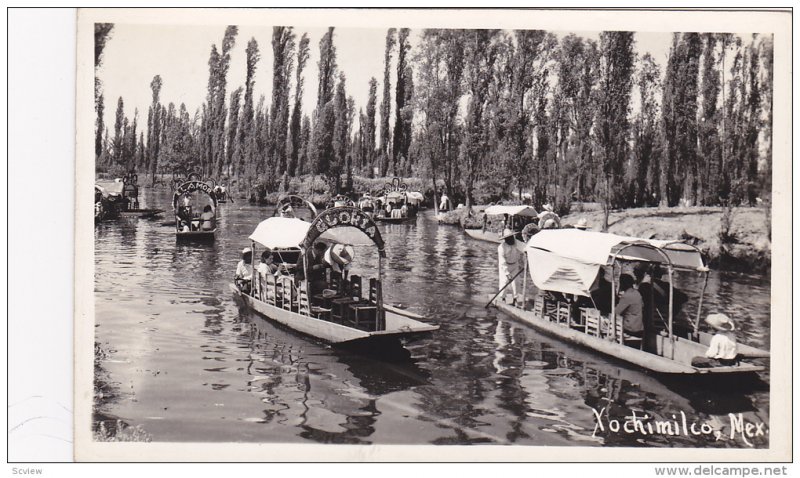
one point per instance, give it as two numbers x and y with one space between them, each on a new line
700 306
379 305
252 268
613 299
305 280
671 336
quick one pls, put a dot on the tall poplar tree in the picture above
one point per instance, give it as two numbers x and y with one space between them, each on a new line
386 102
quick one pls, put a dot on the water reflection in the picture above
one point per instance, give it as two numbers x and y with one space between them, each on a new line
482 378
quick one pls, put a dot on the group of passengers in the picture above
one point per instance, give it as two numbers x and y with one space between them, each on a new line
322 265
188 221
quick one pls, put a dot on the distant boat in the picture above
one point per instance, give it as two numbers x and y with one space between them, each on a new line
342 315
568 262
519 217
189 224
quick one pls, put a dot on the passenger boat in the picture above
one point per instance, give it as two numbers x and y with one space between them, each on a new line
107 200
571 262
290 205
516 219
130 199
345 315
393 205
189 226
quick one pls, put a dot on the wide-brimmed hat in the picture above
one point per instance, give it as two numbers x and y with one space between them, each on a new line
340 254
582 224
507 233
720 322
246 250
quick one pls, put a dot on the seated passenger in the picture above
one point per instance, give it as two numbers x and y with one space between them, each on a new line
311 266
207 219
267 265
601 293
629 307
244 274
339 257
722 348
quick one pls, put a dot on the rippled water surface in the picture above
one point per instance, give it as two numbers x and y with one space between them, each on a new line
186 363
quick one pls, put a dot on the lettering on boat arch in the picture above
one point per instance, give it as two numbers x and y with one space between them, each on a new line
343 217
192 186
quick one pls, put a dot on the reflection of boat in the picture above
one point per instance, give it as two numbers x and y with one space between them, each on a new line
341 315
516 218
570 261
191 225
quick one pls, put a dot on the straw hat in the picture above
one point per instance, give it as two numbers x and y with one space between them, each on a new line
246 250
582 224
342 254
549 224
720 322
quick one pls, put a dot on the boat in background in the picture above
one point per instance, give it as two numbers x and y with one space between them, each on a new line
566 263
343 315
130 199
516 218
393 205
189 223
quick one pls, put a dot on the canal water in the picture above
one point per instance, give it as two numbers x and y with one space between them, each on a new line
186 363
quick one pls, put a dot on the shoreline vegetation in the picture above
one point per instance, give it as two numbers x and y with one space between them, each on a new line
731 239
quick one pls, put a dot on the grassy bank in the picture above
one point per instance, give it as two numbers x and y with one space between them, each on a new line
735 239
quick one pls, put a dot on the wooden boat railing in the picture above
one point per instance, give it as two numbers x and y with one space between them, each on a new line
589 320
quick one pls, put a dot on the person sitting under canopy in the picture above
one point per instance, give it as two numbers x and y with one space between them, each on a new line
244 273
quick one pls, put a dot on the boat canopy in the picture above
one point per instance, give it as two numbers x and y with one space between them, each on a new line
110 187
294 201
192 186
415 196
395 195
511 211
344 225
280 232
568 260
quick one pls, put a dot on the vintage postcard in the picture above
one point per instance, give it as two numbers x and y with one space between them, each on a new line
433 235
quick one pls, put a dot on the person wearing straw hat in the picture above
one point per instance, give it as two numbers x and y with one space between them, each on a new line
509 264
582 224
548 219
722 348
244 273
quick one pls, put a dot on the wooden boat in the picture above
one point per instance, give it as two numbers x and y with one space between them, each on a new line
517 218
395 195
347 317
289 205
188 224
571 262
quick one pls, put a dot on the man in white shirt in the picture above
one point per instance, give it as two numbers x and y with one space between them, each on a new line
509 259
722 348
244 271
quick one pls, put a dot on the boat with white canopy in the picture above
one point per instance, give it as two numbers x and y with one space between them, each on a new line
568 267
348 311
514 218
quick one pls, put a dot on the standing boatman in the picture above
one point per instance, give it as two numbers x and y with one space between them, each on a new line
510 264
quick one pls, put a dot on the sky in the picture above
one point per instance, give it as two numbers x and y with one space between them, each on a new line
135 53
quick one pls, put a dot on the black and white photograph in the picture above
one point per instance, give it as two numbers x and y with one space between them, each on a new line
491 235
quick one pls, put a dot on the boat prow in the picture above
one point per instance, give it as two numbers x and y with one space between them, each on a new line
199 236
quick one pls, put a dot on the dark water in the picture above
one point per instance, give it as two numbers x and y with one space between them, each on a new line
187 364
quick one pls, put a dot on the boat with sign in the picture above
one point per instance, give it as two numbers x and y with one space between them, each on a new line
293 205
340 309
107 200
393 205
516 218
195 205
577 303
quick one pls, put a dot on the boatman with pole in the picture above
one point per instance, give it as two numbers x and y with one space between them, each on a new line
510 263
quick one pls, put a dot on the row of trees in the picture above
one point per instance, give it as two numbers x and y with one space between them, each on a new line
484 113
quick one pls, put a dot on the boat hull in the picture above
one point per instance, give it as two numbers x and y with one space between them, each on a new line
397 326
196 236
390 220
482 235
681 348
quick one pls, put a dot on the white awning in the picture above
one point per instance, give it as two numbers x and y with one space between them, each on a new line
511 211
568 260
280 232
416 196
